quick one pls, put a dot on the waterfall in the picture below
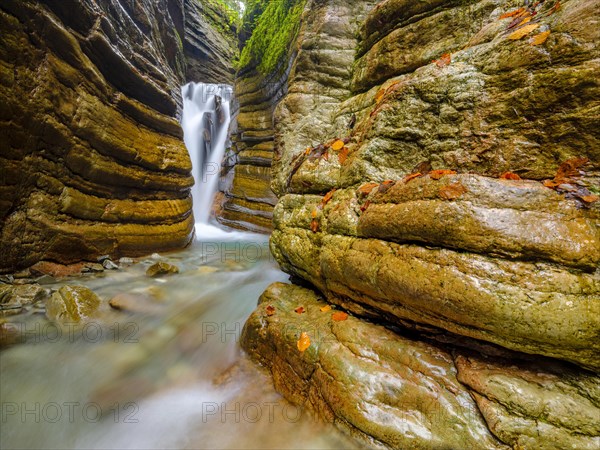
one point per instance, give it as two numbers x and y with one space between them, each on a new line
205 122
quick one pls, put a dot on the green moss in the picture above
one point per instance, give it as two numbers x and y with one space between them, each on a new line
275 25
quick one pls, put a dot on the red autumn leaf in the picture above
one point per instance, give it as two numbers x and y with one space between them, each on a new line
314 225
452 191
437 174
509 176
364 207
300 310
412 176
270 310
343 155
366 189
339 316
444 60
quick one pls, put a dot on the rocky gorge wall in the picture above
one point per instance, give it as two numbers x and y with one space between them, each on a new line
93 161
437 172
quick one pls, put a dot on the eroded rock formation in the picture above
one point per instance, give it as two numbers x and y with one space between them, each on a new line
465 256
93 161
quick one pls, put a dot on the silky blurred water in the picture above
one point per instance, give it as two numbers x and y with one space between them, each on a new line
174 377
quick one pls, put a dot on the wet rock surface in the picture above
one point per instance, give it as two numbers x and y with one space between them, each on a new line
368 381
93 160
72 304
161 268
406 391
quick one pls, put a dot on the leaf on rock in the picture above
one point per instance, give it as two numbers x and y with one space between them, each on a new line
339 316
314 225
337 145
364 207
304 342
452 191
437 174
551 184
380 94
514 13
327 198
412 176
366 189
270 310
571 168
539 39
589 198
444 60
520 20
510 176
314 213
343 155
385 186
326 308
522 32
300 310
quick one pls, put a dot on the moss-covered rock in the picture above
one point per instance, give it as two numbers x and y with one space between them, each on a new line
72 304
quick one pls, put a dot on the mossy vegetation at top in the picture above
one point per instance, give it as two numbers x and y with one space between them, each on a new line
229 10
271 25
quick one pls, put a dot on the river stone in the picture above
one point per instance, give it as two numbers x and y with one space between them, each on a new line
135 303
161 268
380 387
72 304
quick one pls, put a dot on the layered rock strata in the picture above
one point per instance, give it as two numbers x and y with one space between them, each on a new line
388 389
465 255
93 161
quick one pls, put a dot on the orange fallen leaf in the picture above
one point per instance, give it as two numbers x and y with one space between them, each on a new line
337 145
509 176
326 308
412 176
570 168
339 316
327 197
385 186
551 184
314 225
314 213
364 207
522 32
270 310
554 8
452 191
343 155
589 198
437 174
514 13
519 20
379 95
304 342
444 60
539 39
366 189
299 310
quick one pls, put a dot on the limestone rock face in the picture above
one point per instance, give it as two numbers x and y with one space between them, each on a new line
209 45
404 391
463 255
93 161
509 262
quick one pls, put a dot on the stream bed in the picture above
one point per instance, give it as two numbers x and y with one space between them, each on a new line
171 375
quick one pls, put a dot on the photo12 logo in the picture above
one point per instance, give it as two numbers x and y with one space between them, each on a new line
90 332
251 412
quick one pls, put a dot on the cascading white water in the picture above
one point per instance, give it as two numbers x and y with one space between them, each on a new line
205 122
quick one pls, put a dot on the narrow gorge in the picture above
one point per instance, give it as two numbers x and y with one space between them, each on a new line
300 224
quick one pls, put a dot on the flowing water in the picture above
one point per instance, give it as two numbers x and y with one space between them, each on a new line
172 374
